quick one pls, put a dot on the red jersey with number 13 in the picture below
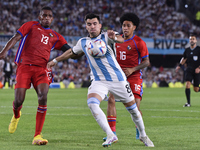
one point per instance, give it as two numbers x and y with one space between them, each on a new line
130 54
37 43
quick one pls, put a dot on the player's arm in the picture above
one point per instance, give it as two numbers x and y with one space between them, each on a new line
10 44
145 62
116 38
66 47
66 55
182 62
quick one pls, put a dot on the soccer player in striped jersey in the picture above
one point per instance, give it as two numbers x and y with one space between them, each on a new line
36 42
107 77
132 56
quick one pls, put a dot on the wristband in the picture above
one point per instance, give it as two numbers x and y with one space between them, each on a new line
180 65
115 38
55 61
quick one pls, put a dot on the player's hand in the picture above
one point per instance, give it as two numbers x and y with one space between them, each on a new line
197 70
111 34
50 64
128 71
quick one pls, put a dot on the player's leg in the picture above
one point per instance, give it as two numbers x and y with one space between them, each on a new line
41 82
17 105
123 92
187 94
188 78
196 82
137 100
95 96
93 102
137 89
137 119
22 83
111 114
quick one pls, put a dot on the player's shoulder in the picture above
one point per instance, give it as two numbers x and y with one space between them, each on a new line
137 38
198 47
32 22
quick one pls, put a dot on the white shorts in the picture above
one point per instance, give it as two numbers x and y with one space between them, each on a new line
121 90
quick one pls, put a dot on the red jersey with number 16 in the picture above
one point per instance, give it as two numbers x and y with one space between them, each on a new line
37 43
130 54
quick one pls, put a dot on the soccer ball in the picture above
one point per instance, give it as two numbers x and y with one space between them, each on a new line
97 48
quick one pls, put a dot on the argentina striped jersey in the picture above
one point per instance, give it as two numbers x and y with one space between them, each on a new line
105 68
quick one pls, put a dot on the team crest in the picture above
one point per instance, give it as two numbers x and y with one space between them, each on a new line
129 48
195 58
51 35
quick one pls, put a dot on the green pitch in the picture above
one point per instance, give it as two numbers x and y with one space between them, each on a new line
70 125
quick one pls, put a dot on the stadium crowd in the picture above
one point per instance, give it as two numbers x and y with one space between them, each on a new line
158 19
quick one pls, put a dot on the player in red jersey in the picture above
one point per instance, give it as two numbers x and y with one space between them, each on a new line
37 41
132 56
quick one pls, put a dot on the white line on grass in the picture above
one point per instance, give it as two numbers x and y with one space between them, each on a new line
163 110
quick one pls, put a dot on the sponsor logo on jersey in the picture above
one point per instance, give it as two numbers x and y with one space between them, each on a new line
128 47
51 35
39 29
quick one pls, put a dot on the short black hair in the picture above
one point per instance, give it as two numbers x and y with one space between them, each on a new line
130 17
193 34
91 16
46 8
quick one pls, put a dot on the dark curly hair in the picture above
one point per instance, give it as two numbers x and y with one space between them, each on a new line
130 17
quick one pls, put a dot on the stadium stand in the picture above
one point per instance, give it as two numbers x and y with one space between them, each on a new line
159 19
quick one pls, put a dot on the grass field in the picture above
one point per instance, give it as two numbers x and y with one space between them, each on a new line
70 125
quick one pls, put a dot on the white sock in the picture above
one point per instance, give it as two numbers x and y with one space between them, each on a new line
100 117
137 119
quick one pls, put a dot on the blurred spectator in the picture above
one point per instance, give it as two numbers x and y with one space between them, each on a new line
8 70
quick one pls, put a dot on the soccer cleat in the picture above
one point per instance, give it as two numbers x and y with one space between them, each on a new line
112 138
13 124
137 134
104 139
147 141
187 105
38 140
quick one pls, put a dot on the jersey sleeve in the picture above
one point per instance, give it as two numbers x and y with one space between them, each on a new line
184 54
61 41
25 28
142 48
77 49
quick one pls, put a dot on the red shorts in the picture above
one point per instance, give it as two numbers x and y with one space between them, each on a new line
136 87
27 74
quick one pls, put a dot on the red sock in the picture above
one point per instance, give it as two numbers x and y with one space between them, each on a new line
112 122
40 117
16 111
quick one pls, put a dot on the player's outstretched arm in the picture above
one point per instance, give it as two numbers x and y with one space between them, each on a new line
9 45
66 55
113 36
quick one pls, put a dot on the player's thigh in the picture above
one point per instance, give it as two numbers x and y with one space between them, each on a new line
189 76
121 91
23 76
136 86
41 75
98 87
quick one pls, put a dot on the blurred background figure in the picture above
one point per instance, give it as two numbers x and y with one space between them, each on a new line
8 70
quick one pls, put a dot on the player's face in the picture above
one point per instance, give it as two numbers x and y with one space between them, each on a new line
193 40
46 18
93 27
128 29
